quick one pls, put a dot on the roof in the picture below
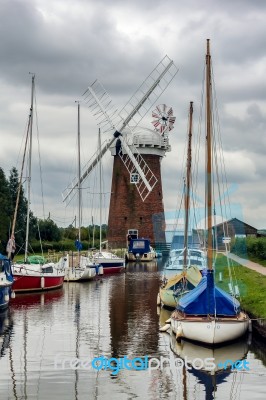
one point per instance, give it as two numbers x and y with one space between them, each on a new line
232 221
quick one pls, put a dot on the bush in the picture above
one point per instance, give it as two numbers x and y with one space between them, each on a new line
250 247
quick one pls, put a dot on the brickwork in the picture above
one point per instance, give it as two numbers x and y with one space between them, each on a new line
128 211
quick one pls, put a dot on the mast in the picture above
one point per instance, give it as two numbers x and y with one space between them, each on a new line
79 184
188 183
209 155
100 167
19 186
29 166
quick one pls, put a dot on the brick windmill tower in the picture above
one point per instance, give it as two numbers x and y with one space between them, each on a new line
136 200
130 209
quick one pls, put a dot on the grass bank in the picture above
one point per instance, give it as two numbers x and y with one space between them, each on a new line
252 285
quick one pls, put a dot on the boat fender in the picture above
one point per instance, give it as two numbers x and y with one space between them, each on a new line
164 328
179 333
42 282
13 295
100 270
6 298
250 325
158 299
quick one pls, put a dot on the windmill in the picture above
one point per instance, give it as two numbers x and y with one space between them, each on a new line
124 144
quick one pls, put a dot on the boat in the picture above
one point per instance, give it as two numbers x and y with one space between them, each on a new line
195 257
208 314
173 288
140 249
35 272
78 267
108 260
6 282
189 255
191 261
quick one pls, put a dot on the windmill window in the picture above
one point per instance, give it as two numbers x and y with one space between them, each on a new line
134 177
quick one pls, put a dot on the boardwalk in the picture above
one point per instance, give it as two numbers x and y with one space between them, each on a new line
249 264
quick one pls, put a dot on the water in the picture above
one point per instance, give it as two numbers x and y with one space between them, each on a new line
115 316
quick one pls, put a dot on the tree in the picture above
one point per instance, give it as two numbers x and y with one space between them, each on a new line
4 211
20 225
48 230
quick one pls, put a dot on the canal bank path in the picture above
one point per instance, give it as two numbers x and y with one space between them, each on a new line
247 263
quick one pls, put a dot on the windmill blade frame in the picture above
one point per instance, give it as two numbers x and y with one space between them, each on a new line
100 104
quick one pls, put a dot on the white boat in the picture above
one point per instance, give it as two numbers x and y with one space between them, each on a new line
78 267
189 261
209 329
109 261
34 273
195 257
208 314
139 249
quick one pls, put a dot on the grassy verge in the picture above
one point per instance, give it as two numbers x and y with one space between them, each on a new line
252 285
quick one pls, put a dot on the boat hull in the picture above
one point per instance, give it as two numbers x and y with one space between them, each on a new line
209 330
167 298
80 274
130 257
112 268
31 283
110 263
77 268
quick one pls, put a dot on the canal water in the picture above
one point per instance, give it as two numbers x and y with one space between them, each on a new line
58 345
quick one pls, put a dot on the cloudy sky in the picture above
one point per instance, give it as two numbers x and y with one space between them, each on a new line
70 43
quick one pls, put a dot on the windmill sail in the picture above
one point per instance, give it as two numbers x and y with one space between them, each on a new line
100 104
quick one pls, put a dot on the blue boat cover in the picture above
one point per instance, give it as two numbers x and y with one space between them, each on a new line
139 246
207 299
5 267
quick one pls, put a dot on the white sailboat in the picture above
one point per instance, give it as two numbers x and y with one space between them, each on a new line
208 314
191 261
34 273
109 261
78 267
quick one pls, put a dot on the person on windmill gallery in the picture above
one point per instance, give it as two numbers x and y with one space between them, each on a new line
11 247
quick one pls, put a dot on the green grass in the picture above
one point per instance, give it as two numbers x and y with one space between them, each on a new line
252 286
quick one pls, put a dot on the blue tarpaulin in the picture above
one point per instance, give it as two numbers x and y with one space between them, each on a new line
207 299
139 246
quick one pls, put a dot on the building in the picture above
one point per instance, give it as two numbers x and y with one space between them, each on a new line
233 228
127 210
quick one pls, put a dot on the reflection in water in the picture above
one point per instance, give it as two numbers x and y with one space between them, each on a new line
196 355
6 328
114 316
133 314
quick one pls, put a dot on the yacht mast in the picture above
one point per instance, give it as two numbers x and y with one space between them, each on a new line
187 187
29 167
209 155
